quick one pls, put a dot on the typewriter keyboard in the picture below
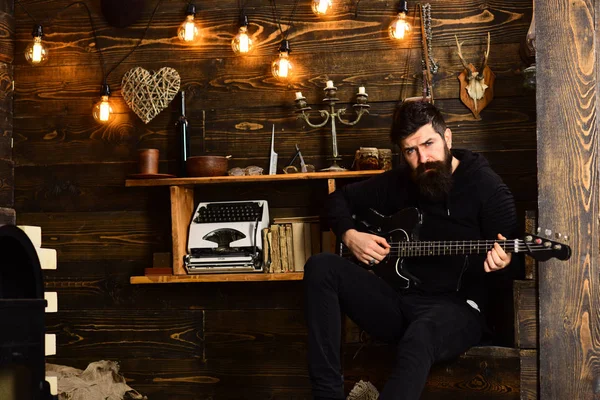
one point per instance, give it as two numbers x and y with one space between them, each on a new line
229 212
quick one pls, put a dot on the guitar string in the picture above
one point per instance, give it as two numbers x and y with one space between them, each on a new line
413 248
442 248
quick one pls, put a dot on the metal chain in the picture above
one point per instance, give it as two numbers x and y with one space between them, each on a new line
433 66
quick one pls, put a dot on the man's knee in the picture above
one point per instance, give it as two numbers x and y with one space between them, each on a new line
319 267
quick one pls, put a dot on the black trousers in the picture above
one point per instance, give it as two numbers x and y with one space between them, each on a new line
424 328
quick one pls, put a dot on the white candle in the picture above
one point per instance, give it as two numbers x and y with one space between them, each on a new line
329 84
361 90
298 95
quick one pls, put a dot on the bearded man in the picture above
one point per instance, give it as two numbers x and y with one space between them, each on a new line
436 310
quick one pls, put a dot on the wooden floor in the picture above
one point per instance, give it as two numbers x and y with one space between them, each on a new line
480 373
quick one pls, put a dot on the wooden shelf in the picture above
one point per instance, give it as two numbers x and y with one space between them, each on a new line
253 178
255 277
182 208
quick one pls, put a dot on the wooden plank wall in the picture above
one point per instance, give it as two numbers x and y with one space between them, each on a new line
569 183
223 340
7 41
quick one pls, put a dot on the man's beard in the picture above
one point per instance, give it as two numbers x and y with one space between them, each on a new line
436 183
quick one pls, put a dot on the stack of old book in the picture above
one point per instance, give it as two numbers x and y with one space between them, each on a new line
289 242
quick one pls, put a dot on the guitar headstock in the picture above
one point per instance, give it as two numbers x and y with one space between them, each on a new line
543 249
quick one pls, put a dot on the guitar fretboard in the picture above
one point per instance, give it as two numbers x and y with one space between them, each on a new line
454 247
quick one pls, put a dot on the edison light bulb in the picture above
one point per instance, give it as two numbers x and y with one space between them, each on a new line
36 52
400 27
188 31
282 67
241 43
103 111
321 7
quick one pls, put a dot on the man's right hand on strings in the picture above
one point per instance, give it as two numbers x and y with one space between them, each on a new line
367 248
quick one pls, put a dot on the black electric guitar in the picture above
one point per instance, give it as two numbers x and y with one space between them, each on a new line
401 232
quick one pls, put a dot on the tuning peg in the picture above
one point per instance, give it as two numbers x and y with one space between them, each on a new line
547 244
557 247
528 238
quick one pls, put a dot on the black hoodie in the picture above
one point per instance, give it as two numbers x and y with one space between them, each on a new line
479 206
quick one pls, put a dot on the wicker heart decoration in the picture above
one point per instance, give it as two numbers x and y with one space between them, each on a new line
148 93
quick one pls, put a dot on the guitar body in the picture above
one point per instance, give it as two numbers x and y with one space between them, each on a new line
402 226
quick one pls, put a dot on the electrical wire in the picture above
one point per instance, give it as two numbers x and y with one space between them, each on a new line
27 12
242 7
277 18
89 13
407 62
137 44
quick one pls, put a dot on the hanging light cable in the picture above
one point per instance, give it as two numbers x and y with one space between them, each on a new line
282 68
102 110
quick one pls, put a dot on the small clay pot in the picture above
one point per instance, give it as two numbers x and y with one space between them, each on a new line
200 166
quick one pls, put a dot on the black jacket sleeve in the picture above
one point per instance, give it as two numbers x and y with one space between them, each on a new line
357 197
498 214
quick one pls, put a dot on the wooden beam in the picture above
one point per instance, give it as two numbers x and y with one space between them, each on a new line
568 147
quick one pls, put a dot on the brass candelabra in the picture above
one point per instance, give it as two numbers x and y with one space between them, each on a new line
361 107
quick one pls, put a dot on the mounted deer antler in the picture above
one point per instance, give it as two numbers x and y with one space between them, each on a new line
474 82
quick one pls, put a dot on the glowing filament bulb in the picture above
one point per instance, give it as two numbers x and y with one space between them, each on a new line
282 67
188 31
400 27
36 52
321 7
103 111
241 43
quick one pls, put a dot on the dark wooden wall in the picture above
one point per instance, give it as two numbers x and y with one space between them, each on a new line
225 341
569 183
7 42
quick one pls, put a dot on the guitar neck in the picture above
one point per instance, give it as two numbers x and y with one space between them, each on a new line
454 247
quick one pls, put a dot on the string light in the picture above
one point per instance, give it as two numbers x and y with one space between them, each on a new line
103 111
188 31
321 7
242 43
400 27
282 67
36 52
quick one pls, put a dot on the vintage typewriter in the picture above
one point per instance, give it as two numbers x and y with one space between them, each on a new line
226 237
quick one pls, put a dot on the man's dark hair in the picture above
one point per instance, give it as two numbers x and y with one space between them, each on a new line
409 116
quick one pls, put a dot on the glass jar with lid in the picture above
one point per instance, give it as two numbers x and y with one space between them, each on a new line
367 158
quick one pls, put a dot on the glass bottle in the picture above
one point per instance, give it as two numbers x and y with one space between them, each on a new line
183 128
